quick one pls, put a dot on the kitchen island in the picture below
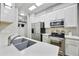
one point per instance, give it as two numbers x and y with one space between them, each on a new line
38 49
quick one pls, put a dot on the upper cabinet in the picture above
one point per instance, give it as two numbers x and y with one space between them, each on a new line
70 16
59 14
47 21
48 18
55 15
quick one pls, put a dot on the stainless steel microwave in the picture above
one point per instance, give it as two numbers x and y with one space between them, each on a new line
57 23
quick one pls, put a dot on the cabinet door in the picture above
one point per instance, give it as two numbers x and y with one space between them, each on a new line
37 37
47 21
71 16
46 39
47 24
60 14
71 47
49 18
37 27
71 50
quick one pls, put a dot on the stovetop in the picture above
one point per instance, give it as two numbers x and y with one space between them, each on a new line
60 35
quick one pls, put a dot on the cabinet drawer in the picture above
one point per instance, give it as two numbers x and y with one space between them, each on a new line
71 41
46 39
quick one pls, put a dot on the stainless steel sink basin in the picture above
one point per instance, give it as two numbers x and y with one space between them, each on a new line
22 43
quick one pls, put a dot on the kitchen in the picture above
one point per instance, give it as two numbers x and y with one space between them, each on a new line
54 26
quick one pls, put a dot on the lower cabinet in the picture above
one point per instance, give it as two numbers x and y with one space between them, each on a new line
46 39
71 47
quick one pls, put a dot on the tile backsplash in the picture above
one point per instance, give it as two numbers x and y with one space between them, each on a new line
73 30
58 30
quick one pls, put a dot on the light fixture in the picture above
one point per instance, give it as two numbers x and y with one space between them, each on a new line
7 7
32 7
8 4
39 4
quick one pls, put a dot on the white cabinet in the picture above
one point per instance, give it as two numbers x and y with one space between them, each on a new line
59 14
47 24
71 47
46 38
47 21
71 50
37 27
70 16
48 18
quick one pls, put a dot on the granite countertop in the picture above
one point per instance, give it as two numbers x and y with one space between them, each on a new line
38 49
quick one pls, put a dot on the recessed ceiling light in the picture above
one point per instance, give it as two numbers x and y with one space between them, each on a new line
39 4
32 7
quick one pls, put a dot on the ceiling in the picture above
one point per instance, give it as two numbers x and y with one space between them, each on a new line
24 7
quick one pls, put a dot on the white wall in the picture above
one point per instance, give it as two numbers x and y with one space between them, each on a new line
7 14
0 11
10 29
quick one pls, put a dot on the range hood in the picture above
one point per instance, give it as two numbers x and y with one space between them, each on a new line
4 24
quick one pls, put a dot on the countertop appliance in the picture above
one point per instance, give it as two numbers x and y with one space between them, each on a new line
37 30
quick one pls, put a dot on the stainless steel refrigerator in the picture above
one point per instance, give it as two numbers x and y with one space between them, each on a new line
37 30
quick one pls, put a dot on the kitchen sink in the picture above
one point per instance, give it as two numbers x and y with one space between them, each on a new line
23 43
